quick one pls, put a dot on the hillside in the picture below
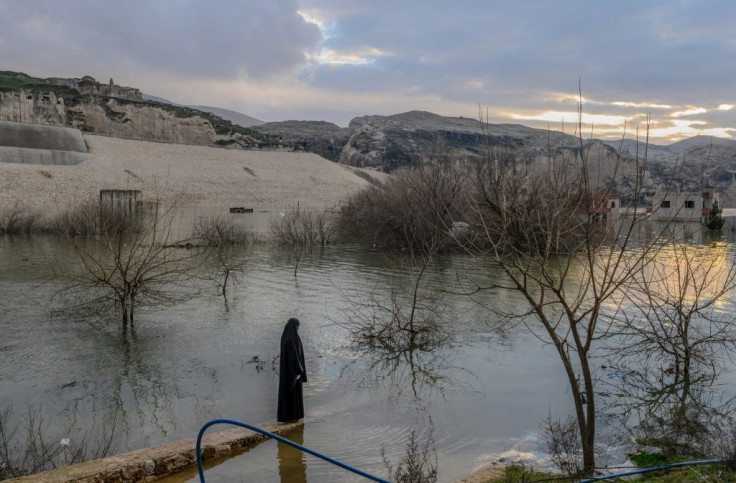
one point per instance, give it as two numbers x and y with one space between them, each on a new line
233 116
117 111
195 176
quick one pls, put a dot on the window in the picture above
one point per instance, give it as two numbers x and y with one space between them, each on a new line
689 204
665 204
613 204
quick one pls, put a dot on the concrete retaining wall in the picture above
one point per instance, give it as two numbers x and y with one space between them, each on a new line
37 136
10 154
151 464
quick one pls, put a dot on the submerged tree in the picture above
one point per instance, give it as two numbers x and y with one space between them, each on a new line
131 262
547 225
222 238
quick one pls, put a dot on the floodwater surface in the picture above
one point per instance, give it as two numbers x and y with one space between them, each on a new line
480 394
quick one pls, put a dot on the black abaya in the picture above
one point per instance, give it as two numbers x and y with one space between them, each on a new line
292 373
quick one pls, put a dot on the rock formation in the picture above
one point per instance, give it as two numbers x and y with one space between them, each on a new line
88 86
34 107
319 137
113 110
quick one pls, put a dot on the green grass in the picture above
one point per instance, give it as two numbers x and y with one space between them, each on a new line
693 474
16 81
522 474
645 459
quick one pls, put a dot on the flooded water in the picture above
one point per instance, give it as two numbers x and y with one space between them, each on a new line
482 393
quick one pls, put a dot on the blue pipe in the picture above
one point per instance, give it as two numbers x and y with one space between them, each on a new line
650 469
278 438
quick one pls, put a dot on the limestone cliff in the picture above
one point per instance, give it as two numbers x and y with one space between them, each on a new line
33 107
117 111
137 120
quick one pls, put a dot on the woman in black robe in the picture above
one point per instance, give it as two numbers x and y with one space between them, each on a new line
292 373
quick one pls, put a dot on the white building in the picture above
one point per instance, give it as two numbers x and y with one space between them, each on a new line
684 206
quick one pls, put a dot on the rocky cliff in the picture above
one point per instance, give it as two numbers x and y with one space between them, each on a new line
112 110
137 120
319 137
34 107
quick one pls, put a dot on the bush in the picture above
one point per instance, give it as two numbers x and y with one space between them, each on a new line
419 464
414 208
220 231
303 228
15 221
91 218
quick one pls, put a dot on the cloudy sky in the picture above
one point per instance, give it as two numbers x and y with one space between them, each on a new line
521 61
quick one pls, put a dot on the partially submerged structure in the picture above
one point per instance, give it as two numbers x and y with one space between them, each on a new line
693 206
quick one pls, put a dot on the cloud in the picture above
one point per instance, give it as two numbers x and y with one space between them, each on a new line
689 112
641 105
680 129
571 117
383 56
226 38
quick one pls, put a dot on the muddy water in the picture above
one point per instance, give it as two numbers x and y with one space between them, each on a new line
482 393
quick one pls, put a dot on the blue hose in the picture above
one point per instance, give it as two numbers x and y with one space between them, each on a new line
650 469
278 438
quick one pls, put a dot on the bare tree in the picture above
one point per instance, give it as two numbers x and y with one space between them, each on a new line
414 207
405 314
680 322
303 228
223 238
127 265
542 224
562 441
300 229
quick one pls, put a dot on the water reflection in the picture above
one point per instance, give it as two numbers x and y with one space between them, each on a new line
292 465
419 373
681 413
130 376
189 363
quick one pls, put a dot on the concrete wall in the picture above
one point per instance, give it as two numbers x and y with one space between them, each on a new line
10 154
36 136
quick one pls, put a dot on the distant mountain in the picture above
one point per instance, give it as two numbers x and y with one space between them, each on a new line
700 161
695 141
639 148
232 116
660 152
